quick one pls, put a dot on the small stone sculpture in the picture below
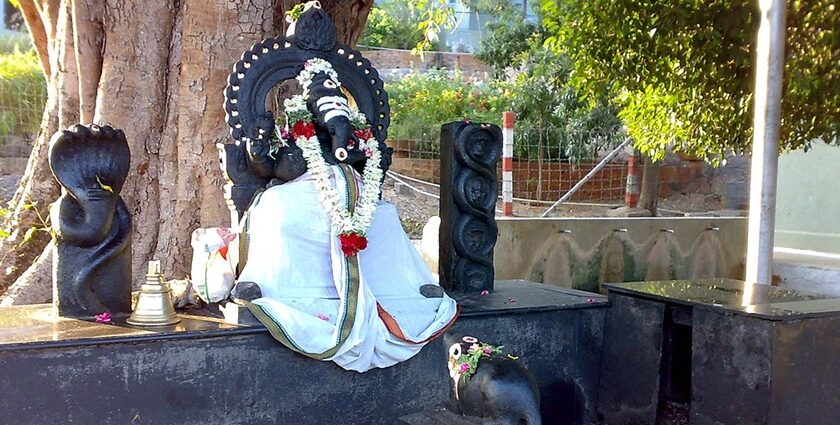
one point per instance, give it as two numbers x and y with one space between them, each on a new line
468 231
493 386
91 223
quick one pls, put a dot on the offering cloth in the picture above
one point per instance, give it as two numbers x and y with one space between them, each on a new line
362 312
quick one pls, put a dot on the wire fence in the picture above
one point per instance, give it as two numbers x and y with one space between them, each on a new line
23 92
546 164
549 163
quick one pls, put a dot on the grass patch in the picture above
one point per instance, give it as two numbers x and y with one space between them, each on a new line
23 89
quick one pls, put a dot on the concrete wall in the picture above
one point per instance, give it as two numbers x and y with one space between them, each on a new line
384 60
808 203
583 253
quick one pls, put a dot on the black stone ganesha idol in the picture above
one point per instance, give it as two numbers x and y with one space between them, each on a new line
90 221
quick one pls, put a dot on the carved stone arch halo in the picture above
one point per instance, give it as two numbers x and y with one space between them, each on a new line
275 60
269 63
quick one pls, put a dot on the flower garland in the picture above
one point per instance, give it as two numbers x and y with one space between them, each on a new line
311 68
462 365
351 228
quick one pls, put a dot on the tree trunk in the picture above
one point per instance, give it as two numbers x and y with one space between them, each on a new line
649 193
157 70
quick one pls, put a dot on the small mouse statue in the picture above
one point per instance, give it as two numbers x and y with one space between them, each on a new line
491 385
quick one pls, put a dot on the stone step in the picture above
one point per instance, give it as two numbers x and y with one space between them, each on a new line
441 416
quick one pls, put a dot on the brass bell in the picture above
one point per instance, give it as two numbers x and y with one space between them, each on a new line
154 302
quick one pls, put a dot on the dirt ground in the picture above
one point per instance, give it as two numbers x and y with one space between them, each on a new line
415 208
8 184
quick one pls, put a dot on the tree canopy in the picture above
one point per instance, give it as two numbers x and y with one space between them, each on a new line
507 37
395 24
682 70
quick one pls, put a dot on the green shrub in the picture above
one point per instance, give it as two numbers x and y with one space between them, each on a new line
12 41
552 123
421 102
23 89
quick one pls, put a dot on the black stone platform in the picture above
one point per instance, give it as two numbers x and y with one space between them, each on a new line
728 351
207 371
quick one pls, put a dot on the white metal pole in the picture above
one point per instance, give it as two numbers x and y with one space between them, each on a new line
770 62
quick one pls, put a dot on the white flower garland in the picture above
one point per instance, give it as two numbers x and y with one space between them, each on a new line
310 69
296 109
341 218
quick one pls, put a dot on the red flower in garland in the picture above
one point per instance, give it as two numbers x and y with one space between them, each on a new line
365 134
352 243
306 130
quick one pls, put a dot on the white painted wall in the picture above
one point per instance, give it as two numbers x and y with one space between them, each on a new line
808 200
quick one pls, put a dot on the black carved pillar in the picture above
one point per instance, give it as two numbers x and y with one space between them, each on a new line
468 191
90 222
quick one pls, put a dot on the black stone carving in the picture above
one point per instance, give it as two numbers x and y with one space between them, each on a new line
501 389
468 231
262 67
92 226
335 131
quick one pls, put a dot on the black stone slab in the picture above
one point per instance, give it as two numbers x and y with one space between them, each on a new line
557 334
199 375
440 416
38 326
767 357
629 389
762 301
731 368
522 296
206 371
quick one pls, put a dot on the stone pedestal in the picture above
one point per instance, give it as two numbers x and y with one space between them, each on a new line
206 371
719 351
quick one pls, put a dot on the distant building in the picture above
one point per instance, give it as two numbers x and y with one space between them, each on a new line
807 237
467 34
471 26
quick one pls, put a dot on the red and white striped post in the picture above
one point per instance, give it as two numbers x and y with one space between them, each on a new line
631 191
508 119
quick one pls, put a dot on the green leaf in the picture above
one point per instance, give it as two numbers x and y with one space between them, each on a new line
104 186
30 233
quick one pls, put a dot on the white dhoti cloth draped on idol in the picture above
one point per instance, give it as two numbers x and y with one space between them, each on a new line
363 311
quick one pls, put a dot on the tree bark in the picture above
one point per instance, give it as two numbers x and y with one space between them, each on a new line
157 70
649 192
